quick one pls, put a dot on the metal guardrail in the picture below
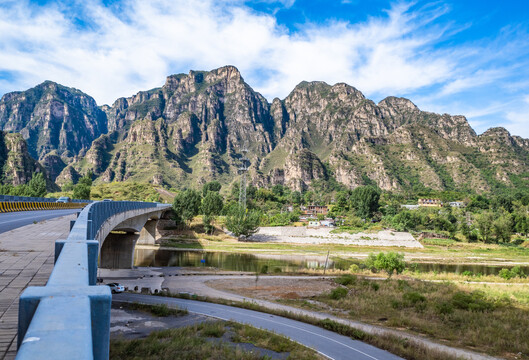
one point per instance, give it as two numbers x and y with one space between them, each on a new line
10 206
69 318
36 199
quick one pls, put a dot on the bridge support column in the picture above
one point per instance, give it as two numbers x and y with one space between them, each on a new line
148 233
118 251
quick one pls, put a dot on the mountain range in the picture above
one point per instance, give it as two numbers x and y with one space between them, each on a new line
193 128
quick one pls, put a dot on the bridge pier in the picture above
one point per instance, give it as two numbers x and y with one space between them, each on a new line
117 251
148 233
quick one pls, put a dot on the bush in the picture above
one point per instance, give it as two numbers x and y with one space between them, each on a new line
505 274
517 272
338 293
264 269
475 301
354 268
346 280
445 308
512 273
413 297
390 262
375 286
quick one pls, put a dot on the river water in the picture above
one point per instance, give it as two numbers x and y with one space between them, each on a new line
277 264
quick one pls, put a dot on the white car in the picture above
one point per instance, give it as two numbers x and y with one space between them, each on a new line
116 288
63 199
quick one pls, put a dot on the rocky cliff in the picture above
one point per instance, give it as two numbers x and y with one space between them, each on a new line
15 162
192 129
57 122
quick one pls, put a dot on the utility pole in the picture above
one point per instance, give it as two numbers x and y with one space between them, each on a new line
243 169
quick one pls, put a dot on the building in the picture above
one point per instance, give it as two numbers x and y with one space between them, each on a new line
430 202
317 210
410 207
327 223
457 204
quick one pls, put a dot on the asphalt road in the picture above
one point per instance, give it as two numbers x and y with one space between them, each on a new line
13 220
327 343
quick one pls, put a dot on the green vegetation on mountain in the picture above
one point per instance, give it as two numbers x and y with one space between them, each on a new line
320 137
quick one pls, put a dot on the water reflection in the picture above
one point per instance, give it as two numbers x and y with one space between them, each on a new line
225 261
271 263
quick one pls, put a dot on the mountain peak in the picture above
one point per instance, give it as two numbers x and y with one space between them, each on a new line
400 103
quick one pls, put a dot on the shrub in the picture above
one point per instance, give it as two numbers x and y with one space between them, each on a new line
338 293
467 273
475 301
375 286
346 280
413 297
517 272
354 268
505 274
512 273
389 262
444 308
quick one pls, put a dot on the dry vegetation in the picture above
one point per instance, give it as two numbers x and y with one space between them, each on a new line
209 340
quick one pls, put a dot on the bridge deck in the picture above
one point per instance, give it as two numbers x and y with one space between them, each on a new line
26 259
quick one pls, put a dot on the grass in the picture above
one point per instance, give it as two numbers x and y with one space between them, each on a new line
198 342
491 319
161 310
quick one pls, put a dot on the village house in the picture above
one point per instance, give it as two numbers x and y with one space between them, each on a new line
316 210
430 202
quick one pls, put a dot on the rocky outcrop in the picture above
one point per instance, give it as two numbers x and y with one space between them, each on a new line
53 118
16 163
193 128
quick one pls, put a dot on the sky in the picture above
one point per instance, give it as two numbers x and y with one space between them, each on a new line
461 57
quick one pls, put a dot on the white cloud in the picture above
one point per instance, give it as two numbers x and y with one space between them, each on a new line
120 57
121 52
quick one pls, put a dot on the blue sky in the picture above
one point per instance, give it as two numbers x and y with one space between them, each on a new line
459 57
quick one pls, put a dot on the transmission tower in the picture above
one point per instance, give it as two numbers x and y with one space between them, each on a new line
243 169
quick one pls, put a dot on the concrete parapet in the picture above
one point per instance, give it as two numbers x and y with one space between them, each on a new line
69 318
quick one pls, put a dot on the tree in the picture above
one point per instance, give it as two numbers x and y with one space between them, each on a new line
186 205
295 197
211 186
364 199
83 188
81 191
484 223
502 228
211 206
37 185
390 262
243 222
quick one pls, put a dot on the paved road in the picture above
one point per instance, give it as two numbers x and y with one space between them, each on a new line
327 343
13 220
26 259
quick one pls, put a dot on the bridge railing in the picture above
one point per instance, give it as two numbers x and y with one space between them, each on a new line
37 199
69 318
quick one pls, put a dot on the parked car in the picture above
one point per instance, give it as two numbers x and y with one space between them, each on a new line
63 199
116 288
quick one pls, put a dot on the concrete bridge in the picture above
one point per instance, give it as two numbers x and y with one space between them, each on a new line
69 318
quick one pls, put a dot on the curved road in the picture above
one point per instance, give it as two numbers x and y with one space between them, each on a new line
13 220
327 343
